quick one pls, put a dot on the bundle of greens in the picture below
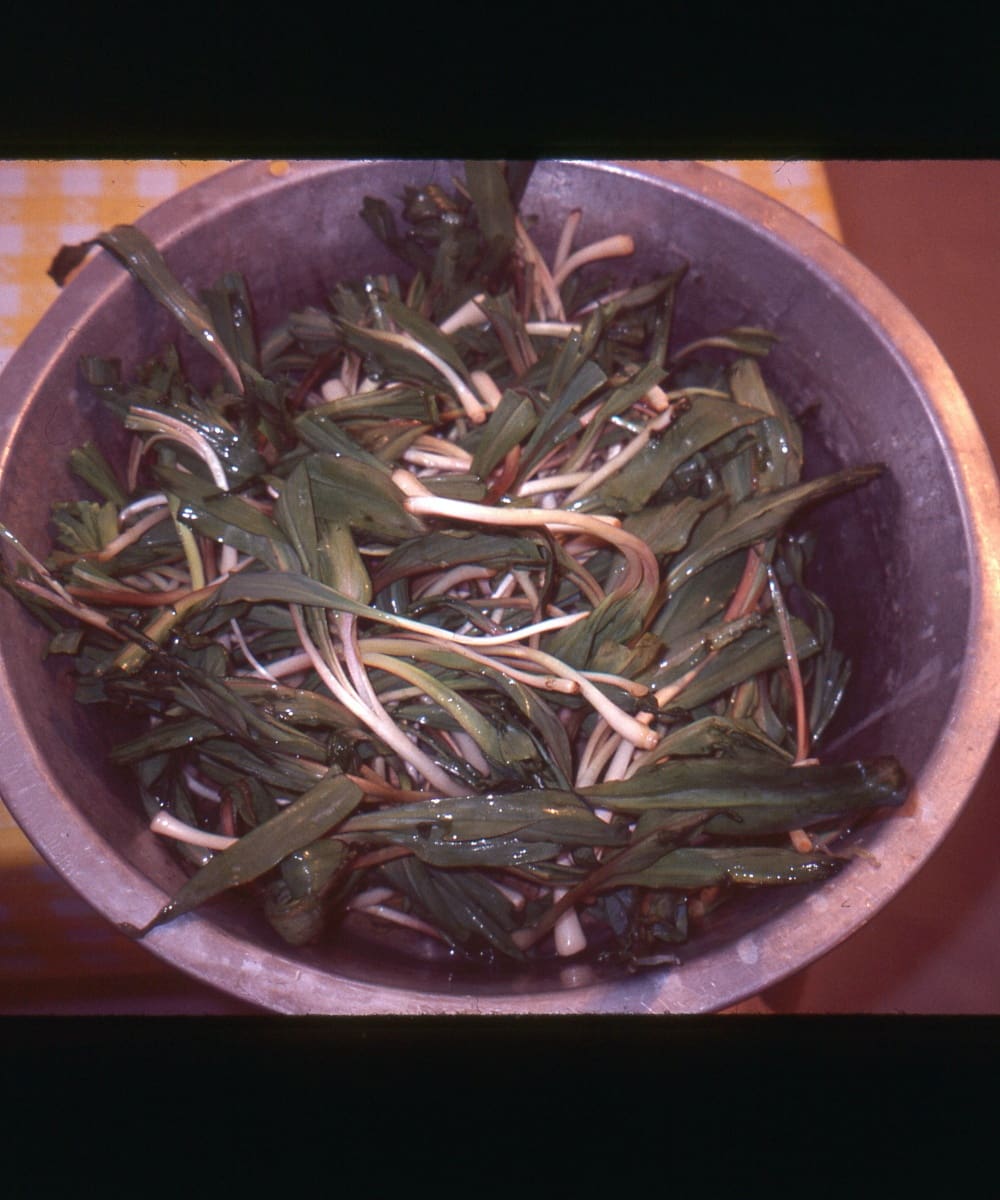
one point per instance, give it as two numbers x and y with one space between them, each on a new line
467 602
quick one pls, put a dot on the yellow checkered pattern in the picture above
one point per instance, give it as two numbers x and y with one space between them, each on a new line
47 204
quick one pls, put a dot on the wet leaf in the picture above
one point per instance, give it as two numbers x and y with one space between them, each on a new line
762 517
309 817
536 815
691 868
135 251
348 492
757 796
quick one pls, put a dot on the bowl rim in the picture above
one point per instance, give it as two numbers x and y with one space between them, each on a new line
267 978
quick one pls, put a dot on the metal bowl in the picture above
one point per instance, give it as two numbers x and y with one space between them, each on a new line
909 567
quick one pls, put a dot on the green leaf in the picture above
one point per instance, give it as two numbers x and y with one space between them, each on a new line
536 815
135 251
690 868
706 421
311 816
225 518
442 549
716 736
90 465
757 796
457 902
425 332
296 517
508 425
487 184
500 744
762 517
558 422
346 491
754 652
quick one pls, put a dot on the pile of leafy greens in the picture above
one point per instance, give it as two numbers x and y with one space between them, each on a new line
466 602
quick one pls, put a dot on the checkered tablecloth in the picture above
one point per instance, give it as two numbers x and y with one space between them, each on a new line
45 930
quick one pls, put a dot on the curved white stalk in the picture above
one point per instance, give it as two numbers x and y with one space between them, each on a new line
472 404
643 569
621 245
566 235
436 462
132 534
407 920
375 895
559 329
548 683
636 731
438 585
632 447
552 483
599 747
169 826
383 727
165 427
137 506
241 641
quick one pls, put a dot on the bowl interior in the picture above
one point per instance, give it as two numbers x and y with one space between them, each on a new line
895 567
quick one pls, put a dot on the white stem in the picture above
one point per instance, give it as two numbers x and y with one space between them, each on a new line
199 788
260 670
407 920
631 448
467 745
332 390
169 826
599 747
620 761
439 585
468 314
570 226
294 664
437 462
473 406
137 506
550 302
383 727
375 895
485 386
170 428
441 445
560 329
569 935
549 683
635 730
619 246
552 483
643 567
409 484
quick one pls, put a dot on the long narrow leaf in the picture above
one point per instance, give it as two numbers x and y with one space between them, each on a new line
311 816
